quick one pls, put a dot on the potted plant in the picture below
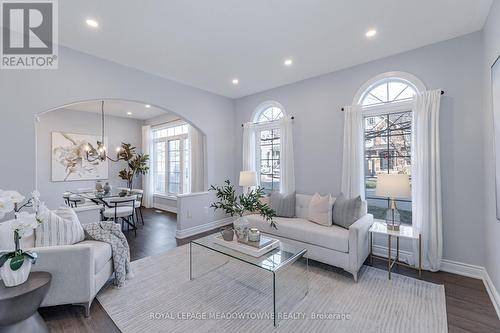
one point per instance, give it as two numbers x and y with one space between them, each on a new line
234 204
137 164
15 266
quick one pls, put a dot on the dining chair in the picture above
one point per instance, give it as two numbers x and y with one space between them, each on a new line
138 203
122 208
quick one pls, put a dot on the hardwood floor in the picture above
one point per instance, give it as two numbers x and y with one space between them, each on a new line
468 306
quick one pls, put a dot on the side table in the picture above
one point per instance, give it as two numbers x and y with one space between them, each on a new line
19 304
405 231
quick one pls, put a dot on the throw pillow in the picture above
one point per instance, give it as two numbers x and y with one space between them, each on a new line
348 211
320 209
283 205
60 227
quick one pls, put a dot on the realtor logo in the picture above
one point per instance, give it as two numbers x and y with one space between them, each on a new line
29 34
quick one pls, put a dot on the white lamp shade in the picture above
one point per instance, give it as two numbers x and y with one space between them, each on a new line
248 178
393 186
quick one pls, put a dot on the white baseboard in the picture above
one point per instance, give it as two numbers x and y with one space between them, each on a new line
165 208
202 228
492 292
455 267
460 268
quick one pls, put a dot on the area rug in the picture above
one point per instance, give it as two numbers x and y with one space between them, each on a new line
238 298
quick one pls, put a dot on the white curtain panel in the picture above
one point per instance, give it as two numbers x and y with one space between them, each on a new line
352 157
248 147
426 178
197 160
286 157
147 179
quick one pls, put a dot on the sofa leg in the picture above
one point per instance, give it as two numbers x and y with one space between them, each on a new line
355 275
86 307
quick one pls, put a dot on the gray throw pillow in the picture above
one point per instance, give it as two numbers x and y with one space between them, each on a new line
348 211
283 205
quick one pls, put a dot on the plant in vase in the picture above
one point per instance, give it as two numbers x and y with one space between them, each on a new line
137 164
236 205
15 266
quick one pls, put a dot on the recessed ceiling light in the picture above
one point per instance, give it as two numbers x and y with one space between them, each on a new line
92 23
371 33
235 81
129 113
288 62
147 106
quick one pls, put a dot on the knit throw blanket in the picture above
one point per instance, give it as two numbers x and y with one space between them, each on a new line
112 234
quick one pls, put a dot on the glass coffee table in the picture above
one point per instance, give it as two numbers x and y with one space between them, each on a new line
286 265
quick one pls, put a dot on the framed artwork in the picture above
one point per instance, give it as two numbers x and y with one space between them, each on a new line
495 87
68 158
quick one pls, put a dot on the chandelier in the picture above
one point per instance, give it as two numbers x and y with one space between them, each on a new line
98 153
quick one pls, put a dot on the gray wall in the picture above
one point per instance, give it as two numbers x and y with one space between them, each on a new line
81 77
491 39
456 67
118 130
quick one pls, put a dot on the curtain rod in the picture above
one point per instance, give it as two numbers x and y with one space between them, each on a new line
442 93
292 117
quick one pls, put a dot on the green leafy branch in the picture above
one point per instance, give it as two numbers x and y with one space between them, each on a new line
233 204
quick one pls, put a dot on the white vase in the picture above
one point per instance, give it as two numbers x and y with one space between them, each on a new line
241 226
14 278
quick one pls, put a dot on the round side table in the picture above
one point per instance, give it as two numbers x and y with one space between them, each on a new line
19 304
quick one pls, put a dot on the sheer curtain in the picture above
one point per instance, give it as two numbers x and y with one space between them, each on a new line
197 160
352 157
426 178
286 157
249 147
147 179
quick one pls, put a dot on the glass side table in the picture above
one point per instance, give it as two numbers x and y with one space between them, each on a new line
405 231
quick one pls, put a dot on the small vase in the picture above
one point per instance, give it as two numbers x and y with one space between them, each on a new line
14 278
241 226
98 186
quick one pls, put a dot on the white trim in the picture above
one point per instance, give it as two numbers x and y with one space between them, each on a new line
410 78
179 234
166 208
492 292
455 267
165 196
264 105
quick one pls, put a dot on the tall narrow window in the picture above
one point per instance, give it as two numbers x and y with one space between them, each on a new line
387 139
268 146
171 159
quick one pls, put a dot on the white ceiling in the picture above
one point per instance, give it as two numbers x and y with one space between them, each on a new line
119 108
208 43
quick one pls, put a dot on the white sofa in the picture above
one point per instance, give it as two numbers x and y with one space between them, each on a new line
78 271
333 245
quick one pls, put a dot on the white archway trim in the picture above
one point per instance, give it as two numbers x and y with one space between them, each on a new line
411 79
264 105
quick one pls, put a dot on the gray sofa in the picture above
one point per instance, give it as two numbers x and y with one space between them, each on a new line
78 271
333 245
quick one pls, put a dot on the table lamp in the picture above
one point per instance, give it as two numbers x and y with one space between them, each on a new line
393 186
248 179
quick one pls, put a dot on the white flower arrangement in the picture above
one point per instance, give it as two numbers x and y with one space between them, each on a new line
24 225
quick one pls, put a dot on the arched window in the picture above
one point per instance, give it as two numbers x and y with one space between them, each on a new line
386 102
388 91
268 143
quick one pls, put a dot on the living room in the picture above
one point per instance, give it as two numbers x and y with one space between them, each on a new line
349 133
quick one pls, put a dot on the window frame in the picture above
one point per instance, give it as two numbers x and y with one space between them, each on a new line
265 126
183 141
386 109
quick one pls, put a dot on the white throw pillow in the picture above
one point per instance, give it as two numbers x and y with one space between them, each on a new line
60 227
7 237
320 209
